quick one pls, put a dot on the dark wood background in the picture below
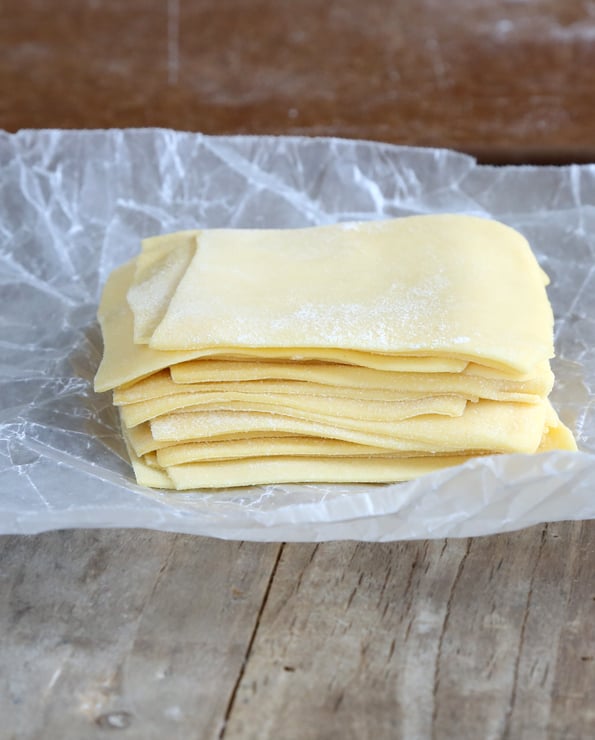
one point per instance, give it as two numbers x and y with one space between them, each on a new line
505 80
169 636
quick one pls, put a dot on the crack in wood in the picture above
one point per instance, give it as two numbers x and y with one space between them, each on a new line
444 546
338 701
545 675
391 651
313 553
236 686
147 600
408 630
384 584
449 603
515 680
298 583
410 577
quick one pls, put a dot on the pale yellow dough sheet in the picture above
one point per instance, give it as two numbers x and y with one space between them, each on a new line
538 380
398 387
142 440
486 425
145 474
253 470
262 470
125 362
160 385
447 286
236 449
306 407
554 436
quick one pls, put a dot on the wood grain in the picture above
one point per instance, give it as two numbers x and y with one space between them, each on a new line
507 81
174 636
484 638
114 630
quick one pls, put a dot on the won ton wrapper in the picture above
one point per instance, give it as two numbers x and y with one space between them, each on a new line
75 205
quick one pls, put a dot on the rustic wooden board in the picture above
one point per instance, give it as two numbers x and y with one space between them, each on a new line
484 638
504 80
175 636
112 630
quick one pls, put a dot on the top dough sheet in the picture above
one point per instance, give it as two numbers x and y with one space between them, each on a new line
444 285
125 362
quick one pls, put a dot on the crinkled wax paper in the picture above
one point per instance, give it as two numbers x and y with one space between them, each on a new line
75 204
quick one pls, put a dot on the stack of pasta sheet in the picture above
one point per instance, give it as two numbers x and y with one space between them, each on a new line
374 351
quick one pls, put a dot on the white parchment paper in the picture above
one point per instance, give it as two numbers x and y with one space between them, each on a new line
75 204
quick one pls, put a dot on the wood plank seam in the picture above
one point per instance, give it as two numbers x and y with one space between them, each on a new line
515 679
443 631
234 691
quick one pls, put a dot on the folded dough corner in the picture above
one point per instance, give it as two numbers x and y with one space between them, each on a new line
356 352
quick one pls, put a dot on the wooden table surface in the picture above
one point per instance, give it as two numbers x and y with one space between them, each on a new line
156 635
